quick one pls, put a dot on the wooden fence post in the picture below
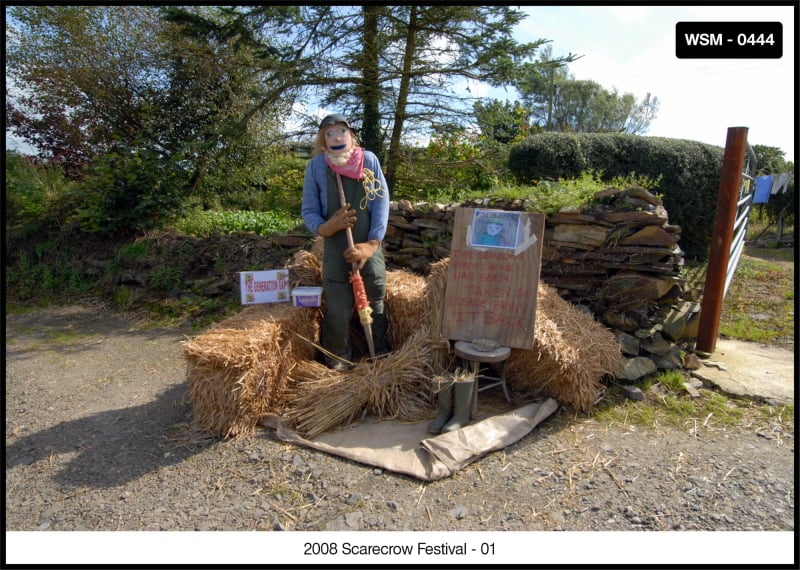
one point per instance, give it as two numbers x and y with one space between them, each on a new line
719 255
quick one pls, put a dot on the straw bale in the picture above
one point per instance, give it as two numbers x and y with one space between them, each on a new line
305 268
405 293
571 354
397 386
237 369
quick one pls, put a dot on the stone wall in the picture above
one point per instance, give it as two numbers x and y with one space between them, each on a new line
620 261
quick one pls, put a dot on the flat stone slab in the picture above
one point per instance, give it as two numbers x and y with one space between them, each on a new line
750 369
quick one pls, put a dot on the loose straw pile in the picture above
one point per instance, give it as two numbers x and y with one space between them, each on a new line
394 387
571 354
397 386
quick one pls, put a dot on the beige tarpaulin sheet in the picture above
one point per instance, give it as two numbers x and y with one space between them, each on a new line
410 449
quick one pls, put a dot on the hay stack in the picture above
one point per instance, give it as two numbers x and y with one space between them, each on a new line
237 370
263 359
571 354
394 387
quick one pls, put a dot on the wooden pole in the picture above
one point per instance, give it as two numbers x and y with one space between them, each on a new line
719 255
356 280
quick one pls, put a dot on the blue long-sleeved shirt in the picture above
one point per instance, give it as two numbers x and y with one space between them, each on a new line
314 208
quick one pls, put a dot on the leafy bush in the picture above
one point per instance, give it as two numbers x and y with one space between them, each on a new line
276 184
547 156
46 270
689 172
452 166
129 192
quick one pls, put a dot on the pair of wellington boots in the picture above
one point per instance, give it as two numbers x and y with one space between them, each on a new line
455 404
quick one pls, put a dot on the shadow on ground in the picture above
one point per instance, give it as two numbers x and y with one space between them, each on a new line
115 447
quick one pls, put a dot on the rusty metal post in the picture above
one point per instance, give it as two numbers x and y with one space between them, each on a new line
730 184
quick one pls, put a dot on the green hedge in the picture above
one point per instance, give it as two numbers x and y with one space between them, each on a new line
689 172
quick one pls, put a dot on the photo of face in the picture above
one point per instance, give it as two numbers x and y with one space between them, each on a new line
338 139
494 228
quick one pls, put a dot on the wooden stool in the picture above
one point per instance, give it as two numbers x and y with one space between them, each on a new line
467 351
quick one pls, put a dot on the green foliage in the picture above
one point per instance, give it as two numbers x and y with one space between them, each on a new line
207 223
502 121
135 250
550 196
548 156
452 166
97 85
165 278
126 193
45 272
122 298
34 195
673 381
689 172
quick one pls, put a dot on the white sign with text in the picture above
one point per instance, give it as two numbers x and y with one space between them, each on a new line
264 286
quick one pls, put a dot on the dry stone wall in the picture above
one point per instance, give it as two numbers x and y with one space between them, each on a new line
620 261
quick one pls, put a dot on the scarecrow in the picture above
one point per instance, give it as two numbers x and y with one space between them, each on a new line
346 201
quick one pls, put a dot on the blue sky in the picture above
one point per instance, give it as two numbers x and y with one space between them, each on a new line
632 48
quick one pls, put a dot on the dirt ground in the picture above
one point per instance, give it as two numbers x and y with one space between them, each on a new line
99 437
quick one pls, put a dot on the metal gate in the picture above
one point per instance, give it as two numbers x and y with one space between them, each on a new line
747 190
736 190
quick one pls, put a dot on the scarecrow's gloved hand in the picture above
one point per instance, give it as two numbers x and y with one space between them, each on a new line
361 252
344 217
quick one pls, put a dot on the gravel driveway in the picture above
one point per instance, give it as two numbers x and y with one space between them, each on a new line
99 437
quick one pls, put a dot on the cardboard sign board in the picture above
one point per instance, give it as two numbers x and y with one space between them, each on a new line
264 286
493 276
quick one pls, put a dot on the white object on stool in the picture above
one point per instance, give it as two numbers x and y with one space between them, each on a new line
467 351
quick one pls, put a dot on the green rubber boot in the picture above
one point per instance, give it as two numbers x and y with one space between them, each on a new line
445 401
462 405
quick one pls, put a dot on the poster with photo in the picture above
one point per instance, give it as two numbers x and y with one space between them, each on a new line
495 228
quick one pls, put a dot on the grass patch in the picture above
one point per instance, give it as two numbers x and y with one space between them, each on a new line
759 304
666 403
62 337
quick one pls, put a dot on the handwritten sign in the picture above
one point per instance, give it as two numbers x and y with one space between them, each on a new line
264 286
492 288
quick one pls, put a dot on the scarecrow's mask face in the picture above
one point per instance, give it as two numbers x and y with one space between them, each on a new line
338 139
493 228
